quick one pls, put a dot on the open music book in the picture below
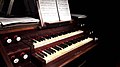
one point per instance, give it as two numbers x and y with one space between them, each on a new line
53 11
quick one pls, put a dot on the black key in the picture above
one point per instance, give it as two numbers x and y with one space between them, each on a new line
43 54
57 48
66 32
40 54
51 50
75 41
66 44
52 36
63 46
72 41
69 43
48 37
78 39
55 35
34 41
47 51
41 39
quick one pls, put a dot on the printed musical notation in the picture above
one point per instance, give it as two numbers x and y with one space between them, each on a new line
64 10
48 11
52 11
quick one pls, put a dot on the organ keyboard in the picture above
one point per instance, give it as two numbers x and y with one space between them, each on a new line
51 50
54 39
48 47
52 53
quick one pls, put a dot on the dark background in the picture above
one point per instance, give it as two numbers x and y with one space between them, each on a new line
102 15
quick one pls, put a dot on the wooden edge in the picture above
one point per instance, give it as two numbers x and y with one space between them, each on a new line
18 28
5 56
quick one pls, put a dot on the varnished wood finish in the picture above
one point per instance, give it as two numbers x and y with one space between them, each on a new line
5 56
5 30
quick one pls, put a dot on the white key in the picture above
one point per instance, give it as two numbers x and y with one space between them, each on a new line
59 53
48 41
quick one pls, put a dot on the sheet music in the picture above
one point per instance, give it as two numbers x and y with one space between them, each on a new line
48 10
64 11
6 21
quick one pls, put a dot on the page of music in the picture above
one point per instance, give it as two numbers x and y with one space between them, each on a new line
52 11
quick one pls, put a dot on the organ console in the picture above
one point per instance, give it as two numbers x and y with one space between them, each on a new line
49 47
54 45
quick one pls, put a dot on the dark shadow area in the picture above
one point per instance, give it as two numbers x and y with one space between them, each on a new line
101 16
